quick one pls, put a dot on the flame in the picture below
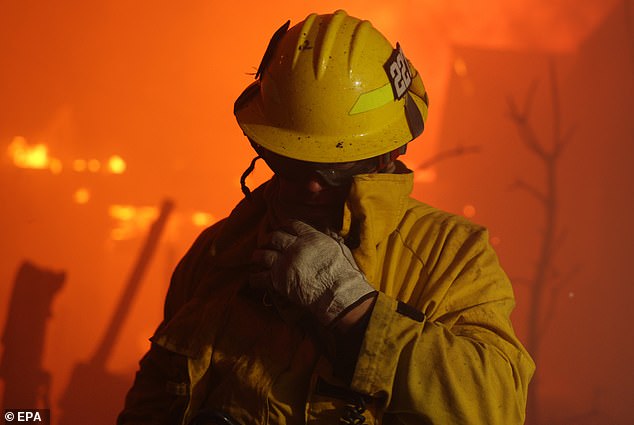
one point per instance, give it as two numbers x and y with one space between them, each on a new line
82 196
94 165
132 220
122 212
25 156
116 164
202 219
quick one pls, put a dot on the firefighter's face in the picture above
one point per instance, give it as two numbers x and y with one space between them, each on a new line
313 201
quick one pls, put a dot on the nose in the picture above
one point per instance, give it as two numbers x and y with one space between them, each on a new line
314 184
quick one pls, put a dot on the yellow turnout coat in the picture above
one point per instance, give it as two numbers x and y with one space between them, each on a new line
439 347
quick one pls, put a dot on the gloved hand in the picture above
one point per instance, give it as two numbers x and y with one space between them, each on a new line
311 269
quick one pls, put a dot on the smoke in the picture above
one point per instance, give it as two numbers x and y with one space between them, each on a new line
553 25
156 83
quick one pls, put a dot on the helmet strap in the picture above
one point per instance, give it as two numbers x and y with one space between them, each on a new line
243 178
387 158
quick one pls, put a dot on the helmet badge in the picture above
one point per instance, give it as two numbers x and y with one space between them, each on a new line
398 73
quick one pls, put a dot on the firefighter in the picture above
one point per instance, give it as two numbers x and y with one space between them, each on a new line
329 295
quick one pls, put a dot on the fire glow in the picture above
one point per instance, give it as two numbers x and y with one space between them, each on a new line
202 219
32 156
37 157
131 221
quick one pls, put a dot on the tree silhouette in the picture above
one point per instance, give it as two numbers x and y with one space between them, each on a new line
546 282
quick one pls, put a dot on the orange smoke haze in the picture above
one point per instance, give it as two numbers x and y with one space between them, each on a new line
109 107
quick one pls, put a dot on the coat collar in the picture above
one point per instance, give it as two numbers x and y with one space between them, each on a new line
374 207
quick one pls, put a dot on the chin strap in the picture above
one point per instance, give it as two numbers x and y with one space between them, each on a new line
389 157
243 178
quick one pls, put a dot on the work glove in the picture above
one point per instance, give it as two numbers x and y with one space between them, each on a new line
312 269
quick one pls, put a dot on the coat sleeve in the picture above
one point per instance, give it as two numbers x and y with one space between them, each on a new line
159 394
450 355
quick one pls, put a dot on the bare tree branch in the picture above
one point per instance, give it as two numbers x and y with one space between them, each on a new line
528 102
527 135
558 242
521 184
544 295
449 153
530 140
549 311
554 93
515 114
564 141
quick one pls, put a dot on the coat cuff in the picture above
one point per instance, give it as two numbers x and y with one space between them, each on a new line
393 325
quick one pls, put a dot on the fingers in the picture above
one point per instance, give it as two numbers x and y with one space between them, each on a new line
292 229
283 238
278 240
299 228
264 258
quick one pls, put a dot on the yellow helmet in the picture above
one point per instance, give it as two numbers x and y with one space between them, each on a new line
332 89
